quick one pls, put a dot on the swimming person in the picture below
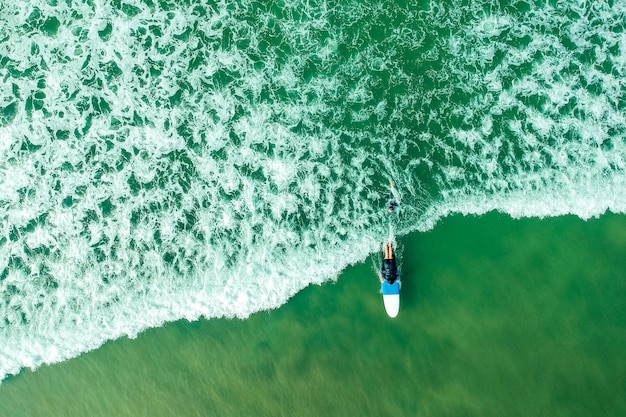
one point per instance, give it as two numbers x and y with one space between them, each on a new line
392 198
389 271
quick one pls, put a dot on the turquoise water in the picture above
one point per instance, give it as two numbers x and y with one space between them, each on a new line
167 160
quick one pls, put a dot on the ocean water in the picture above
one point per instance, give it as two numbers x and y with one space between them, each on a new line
499 317
166 160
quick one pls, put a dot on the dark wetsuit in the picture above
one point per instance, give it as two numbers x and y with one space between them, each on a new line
389 270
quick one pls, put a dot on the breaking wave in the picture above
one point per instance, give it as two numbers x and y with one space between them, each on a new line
175 159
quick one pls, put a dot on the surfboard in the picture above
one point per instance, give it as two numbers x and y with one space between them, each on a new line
391 297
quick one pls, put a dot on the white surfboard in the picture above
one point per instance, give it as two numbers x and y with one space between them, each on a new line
391 297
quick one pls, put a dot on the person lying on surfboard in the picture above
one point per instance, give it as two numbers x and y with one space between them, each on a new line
389 271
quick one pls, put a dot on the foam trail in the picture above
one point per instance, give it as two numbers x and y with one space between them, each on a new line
164 160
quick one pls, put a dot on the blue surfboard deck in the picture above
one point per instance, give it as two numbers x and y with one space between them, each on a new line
389 289
391 297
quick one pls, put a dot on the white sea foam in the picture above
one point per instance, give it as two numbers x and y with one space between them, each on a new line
212 160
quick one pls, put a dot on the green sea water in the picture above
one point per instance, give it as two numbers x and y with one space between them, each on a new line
499 317
210 176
